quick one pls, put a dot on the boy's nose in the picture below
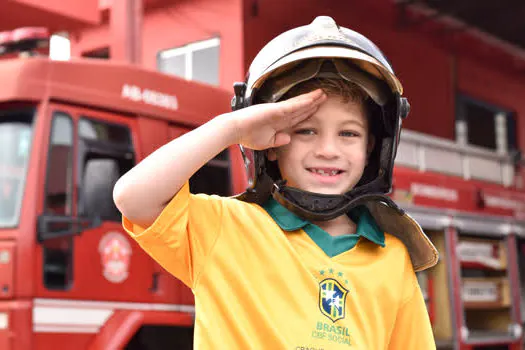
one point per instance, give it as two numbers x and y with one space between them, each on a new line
326 148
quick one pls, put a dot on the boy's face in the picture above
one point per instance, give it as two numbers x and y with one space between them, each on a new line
328 151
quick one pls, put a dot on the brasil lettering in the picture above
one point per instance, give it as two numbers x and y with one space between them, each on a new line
333 333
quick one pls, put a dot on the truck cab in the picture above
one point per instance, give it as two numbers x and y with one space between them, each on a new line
70 278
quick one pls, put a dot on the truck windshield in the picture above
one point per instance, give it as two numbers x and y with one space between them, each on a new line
16 127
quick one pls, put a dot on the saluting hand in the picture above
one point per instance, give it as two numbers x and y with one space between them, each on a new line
266 125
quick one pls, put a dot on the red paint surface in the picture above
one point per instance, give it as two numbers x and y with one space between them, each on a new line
18 335
472 196
7 270
57 15
61 341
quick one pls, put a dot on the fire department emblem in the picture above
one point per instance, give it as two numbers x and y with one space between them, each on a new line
332 299
115 254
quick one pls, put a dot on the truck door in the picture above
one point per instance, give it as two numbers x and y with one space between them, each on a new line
87 261
105 254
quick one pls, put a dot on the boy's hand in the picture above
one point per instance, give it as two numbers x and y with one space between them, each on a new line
266 125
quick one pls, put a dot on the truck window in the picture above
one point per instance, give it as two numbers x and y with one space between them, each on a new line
16 133
59 184
105 153
197 61
213 177
58 252
100 176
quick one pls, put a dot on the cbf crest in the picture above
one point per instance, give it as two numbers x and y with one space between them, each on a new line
332 299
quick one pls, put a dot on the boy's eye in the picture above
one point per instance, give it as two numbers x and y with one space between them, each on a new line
305 132
348 133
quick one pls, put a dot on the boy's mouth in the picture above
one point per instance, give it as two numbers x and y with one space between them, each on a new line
325 171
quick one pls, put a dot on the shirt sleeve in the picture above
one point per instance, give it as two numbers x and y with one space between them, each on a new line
412 329
183 235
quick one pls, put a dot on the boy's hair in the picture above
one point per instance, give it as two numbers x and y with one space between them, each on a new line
346 90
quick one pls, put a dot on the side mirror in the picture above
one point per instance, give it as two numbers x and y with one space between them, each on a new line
51 226
96 193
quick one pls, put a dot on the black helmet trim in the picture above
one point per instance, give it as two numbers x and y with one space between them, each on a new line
322 207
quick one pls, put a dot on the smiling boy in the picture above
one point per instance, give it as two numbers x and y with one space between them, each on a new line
313 255
328 151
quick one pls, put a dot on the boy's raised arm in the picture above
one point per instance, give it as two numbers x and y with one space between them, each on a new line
142 193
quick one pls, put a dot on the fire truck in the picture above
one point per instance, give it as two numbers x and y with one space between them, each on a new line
474 294
71 279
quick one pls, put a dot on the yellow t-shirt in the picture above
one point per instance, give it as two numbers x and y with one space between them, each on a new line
258 286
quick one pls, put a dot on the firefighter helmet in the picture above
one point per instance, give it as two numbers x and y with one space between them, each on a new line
324 49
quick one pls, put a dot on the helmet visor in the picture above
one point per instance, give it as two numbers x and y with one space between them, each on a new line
285 78
352 65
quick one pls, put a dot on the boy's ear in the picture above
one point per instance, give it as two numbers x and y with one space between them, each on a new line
271 154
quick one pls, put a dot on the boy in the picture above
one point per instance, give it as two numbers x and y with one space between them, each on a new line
312 255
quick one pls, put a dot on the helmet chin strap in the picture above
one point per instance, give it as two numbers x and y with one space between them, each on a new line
323 207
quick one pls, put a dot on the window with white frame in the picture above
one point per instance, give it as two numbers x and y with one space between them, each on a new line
484 125
195 61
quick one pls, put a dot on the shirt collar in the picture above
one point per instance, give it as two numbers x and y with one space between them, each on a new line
288 221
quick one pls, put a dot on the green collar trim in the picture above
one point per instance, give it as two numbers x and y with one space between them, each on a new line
332 246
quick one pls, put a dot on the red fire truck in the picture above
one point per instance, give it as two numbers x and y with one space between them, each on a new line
70 278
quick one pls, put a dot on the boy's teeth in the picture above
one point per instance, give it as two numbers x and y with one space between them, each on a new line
324 173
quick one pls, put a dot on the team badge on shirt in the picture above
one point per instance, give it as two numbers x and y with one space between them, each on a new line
332 299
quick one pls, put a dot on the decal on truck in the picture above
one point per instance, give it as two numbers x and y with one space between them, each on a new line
115 253
434 192
150 97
